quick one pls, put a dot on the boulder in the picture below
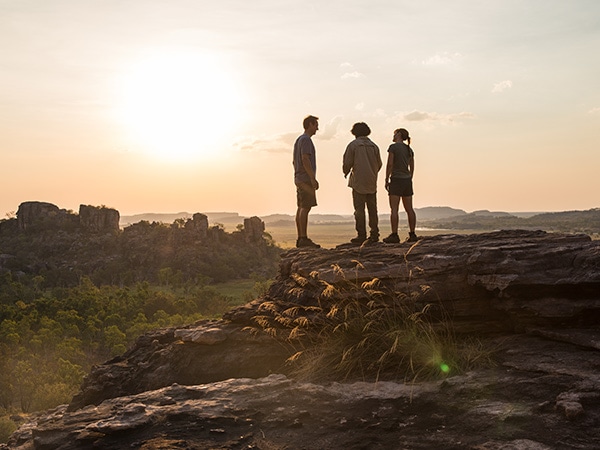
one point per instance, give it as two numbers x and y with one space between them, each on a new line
99 219
30 213
254 229
199 224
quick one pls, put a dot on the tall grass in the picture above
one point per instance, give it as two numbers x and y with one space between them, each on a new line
369 331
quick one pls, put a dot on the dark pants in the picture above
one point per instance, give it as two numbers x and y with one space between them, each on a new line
370 200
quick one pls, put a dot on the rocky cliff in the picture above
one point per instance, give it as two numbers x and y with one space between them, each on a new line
533 296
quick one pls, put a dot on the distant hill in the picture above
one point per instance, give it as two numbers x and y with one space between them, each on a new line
568 221
213 217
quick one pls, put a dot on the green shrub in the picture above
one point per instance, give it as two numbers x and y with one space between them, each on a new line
7 427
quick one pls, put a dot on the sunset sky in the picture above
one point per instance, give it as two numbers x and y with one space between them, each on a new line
193 105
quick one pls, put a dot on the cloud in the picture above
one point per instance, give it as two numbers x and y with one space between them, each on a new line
502 86
284 143
420 116
360 106
354 74
350 71
594 110
442 59
329 130
281 143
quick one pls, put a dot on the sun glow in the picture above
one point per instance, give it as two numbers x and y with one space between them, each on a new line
178 105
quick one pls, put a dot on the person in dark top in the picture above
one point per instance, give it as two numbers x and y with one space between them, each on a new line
400 169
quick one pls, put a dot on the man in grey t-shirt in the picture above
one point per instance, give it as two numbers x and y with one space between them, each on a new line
305 169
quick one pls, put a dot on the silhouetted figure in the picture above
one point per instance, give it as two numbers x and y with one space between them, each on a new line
362 161
400 170
305 168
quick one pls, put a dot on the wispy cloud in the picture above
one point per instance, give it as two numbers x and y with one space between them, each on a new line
330 129
350 71
502 86
281 143
594 110
433 117
354 74
442 59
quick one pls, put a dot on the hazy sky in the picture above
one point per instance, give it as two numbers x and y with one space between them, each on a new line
193 105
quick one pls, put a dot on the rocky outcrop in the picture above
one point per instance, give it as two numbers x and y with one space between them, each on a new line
30 213
543 395
198 223
254 229
99 219
534 296
506 281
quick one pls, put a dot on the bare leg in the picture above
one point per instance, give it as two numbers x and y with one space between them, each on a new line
302 221
394 204
410 212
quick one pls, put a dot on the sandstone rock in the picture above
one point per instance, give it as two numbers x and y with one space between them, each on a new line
505 407
492 282
30 213
206 352
99 219
254 228
198 223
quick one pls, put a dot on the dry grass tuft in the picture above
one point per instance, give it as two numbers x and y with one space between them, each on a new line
371 332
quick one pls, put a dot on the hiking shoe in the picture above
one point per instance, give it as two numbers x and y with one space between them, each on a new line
372 239
392 239
358 240
412 237
305 242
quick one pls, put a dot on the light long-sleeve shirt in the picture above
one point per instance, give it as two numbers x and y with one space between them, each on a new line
362 161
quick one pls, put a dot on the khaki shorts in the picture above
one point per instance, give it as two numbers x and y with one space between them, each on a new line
306 195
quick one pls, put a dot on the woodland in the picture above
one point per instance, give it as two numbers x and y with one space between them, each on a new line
70 299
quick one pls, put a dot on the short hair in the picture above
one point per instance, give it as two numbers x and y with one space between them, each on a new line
308 121
360 129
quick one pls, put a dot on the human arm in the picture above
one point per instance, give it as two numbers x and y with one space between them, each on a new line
389 168
411 166
309 170
348 161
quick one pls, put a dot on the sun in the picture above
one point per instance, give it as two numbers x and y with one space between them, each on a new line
178 105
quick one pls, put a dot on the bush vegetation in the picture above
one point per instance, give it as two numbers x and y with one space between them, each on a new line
71 299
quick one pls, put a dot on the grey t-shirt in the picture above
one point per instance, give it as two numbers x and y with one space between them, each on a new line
303 145
402 156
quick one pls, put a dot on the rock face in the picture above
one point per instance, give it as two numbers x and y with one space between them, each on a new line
535 296
198 223
99 219
493 282
254 228
30 213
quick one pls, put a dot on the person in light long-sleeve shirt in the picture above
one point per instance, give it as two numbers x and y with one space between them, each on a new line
362 161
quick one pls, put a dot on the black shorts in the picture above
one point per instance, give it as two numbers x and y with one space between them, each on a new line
401 187
306 195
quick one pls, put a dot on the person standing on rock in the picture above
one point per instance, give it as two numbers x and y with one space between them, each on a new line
399 173
362 161
305 168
